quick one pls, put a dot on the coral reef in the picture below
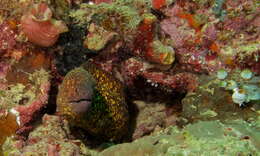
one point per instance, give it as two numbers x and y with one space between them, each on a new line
8 125
97 38
244 85
7 6
182 82
161 54
11 42
157 4
129 70
7 37
94 100
62 8
27 102
151 117
200 41
214 99
218 9
51 138
117 16
28 113
25 88
229 138
39 26
143 38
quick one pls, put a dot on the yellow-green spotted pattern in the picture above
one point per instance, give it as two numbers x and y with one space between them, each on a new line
108 117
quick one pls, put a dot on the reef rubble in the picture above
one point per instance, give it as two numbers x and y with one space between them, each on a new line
157 77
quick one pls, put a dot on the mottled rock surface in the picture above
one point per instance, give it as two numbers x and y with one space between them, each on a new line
231 138
50 138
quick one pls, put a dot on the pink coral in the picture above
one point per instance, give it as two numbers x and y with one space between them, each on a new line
10 41
236 24
210 33
102 1
179 33
183 82
28 113
3 69
52 150
198 59
7 38
131 68
40 28
50 138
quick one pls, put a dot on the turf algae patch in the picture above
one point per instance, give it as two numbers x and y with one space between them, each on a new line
233 137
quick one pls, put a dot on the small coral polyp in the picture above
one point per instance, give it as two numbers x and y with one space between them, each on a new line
161 54
39 26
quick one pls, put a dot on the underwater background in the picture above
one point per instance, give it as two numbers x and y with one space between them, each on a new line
129 78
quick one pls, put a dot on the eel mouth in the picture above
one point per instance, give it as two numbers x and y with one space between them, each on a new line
80 100
81 106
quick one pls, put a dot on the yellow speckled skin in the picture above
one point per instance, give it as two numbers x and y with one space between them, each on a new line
110 123
72 89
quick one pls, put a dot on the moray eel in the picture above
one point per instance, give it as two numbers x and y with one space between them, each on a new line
94 100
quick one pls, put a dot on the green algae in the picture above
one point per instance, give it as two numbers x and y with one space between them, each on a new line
216 95
241 51
163 50
53 132
13 95
98 37
9 148
116 17
209 113
232 138
218 9
21 94
246 81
